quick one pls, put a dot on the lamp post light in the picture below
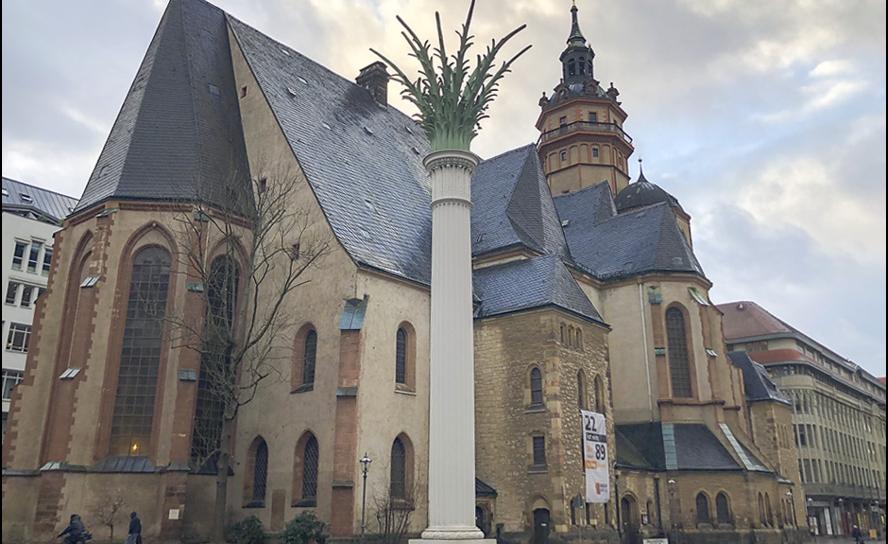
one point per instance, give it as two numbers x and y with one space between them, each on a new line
365 468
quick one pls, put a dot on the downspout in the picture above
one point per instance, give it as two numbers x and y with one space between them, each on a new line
647 360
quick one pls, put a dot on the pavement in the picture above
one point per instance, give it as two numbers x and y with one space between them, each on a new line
844 540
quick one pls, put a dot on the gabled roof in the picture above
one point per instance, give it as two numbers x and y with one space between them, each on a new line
747 319
47 205
636 242
757 384
513 206
531 283
362 160
178 135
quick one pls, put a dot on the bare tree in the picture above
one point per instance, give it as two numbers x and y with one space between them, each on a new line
107 509
243 257
393 515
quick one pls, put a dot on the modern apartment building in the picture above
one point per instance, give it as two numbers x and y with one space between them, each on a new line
838 418
30 217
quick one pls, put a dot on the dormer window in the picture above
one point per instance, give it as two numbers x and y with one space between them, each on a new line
25 197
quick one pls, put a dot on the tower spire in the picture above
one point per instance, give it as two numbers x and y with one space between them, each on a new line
641 170
576 35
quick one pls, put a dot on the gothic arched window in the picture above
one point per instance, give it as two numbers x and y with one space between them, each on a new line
702 508
536 387
133 417
309 354
722 509
582 391
679 357
599 395
398 471
311 458
257 472
401 356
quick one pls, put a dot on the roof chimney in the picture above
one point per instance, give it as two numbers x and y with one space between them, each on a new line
375 79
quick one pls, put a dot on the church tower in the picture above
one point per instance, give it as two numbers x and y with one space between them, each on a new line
582 142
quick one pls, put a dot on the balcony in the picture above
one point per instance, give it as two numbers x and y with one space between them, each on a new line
584 126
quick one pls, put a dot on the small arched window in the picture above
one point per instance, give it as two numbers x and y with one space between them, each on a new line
722 509
769 515
761 507
571 68
563 336
582 391
536 387
599 395
401 356
311 458
398 470
257 473
679 357
579 338
309 355
702 503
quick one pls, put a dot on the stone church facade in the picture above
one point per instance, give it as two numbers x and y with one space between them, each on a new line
587 296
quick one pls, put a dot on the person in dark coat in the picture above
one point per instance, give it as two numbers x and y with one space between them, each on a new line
857 534
135 530
75 531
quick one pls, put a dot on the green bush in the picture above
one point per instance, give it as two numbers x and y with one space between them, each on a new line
246 531
305 528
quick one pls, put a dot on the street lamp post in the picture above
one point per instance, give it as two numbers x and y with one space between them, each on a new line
365 468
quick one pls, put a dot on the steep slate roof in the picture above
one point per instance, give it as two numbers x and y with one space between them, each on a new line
636 242
362 160
513 206
531 283
757 384
667 446
43 202
178 134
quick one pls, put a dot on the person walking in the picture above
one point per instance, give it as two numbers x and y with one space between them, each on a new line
135 530
857 535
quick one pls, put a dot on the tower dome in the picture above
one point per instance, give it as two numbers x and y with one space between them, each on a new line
643 193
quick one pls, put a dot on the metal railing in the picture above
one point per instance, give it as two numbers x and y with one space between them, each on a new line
585 126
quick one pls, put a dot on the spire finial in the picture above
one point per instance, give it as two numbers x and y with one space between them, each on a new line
576 36
641 170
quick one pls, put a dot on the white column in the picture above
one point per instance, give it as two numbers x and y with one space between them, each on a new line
452 376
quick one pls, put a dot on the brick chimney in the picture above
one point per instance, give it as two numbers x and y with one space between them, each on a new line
375 79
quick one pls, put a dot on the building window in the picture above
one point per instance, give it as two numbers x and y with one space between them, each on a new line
18 254
11 378
679 362
563 156
309 354
27 296
722 509
12 292
133 417
593 117
703 508
401 356
582 391
599 395
536 387
47 260
398 470
34 256
221 299
311 458
562 121
257 473
539 451
18 337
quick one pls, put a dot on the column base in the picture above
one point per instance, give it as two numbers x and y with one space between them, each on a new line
456 535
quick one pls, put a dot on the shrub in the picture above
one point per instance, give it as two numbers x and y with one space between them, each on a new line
305 528
246 531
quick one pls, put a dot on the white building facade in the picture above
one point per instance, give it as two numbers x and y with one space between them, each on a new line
31 215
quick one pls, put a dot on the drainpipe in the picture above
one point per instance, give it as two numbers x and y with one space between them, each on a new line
647 360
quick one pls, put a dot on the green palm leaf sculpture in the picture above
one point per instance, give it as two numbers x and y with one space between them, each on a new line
452 98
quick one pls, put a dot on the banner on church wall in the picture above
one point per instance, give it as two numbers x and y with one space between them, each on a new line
595 458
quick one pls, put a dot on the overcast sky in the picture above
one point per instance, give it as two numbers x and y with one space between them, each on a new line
765 118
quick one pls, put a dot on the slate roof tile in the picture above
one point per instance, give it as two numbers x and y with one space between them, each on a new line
55 206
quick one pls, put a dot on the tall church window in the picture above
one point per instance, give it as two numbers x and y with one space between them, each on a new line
215 371
582 391
256 473
536 387
401 356
679 362
309 354
582 65
398 470
133 415
571 68
599 395
311 458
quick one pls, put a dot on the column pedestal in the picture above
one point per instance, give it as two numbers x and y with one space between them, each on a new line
452 371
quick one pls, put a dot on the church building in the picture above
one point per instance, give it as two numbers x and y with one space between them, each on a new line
587 295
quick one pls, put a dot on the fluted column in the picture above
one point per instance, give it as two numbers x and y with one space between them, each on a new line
452 395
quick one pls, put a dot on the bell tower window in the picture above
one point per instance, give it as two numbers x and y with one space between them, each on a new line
582 65
571 68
